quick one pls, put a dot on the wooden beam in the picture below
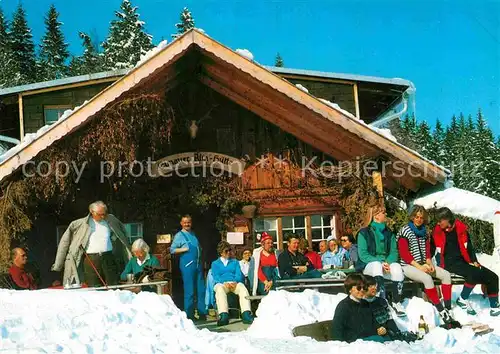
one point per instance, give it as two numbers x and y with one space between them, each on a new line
377 182
279 232
21 116
264 114
315 79
356 99
291 111
309 230
70 86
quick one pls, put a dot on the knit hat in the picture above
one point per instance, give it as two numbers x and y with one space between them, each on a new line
265 236
330 238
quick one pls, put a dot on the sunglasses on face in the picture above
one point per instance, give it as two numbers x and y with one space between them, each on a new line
361 287
344 240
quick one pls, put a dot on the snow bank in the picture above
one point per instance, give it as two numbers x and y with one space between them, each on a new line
80 321
463 202
245 53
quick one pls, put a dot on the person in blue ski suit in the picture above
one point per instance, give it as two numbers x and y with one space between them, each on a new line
187 246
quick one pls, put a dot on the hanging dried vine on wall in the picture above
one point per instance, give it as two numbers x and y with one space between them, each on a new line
133 128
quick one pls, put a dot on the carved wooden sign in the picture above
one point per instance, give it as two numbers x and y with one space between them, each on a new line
211 162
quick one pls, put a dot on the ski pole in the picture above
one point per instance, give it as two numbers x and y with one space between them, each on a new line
93 267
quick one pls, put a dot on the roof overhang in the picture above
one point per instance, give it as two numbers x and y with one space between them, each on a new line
266 94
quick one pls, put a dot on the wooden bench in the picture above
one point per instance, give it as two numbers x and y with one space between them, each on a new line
334 286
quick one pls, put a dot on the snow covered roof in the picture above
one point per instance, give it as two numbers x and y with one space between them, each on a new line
340 76
462 202
63 82
319 123
121 72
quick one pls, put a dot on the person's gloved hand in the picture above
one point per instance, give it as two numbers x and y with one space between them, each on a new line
145 279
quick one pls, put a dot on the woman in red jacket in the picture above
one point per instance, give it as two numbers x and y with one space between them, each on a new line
313 257
415 252
457 256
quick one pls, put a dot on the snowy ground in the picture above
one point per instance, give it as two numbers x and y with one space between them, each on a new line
69 321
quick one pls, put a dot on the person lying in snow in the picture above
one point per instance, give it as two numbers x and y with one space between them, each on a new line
415 250
356 318
292 264
457 255
378 255
228 278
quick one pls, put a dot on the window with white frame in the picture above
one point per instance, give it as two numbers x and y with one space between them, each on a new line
293 225
269 225
322 226
134 231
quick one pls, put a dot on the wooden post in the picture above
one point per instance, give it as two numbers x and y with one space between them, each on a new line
337 224
377 182
21 117
356 100
309 231
279 232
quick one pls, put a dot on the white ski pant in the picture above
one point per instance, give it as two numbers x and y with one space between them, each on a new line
375 270
221 297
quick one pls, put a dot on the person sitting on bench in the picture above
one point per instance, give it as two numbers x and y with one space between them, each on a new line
415 250
334 257
353 317
228 278
21 278
348 242
263 266
457 255
378 255
293 264
382 314
313 257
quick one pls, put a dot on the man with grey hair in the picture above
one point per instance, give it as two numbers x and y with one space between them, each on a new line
103 237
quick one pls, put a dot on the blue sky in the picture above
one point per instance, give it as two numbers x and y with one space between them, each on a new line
450 50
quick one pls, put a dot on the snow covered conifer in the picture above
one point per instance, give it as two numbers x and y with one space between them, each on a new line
424 139
6 69
53 49
127 40
91 61
278 62
485 150
187 22
23 50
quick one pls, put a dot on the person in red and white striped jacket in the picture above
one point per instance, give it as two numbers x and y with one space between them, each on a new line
415 253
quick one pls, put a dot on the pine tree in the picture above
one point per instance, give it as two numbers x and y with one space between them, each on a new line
486 160
436 150
127 40
450 143
7 68
187 22
278 62
53 50
23 50
424 139
409 129
91 61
